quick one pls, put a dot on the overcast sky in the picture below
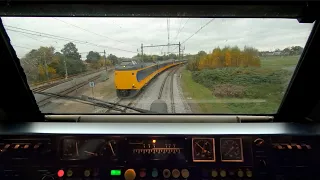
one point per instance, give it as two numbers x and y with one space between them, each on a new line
127 34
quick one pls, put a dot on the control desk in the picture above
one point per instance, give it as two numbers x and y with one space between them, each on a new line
35 155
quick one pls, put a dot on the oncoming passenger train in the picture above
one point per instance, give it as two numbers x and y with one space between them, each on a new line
130 76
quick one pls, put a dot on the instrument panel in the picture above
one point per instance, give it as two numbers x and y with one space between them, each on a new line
203 149
219 157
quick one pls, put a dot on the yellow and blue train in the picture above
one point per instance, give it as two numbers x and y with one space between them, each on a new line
131 77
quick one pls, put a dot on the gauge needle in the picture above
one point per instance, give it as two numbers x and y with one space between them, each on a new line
229 150
77 151
111 148
95 154
201 147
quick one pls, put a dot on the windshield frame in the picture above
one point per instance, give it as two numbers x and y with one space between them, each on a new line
288 108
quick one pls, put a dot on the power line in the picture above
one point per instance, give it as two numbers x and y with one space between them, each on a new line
183 27
168 29
35 33
178 32
196 32
21 47
90 31
39 40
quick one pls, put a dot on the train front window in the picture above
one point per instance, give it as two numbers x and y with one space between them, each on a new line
192 65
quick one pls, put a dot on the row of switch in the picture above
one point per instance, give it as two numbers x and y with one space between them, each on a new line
86 173
166 173
130 174
223 173
20 146
291 146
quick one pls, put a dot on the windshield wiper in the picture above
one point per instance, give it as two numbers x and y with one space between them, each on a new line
95 102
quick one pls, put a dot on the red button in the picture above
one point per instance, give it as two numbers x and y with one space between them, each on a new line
142 173
60 173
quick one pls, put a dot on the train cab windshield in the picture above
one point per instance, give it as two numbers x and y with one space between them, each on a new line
192 65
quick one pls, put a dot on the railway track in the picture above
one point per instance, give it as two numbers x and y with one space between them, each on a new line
47 86
126 102
46 101
131 102
165 81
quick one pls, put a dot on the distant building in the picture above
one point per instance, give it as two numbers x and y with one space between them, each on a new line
272 53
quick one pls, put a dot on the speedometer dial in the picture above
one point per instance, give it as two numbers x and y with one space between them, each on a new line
231 150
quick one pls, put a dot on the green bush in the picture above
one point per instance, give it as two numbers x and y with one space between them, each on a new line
243 82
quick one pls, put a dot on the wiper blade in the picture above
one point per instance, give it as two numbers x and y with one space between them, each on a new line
93 101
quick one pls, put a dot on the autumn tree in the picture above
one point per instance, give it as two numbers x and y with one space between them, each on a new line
36 64
227 57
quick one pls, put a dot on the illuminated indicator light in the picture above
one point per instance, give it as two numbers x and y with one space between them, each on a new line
115 172
26 146
289 147
69 173
86 173
36 146
249 173
214 173
185 173
279 147
308 146
60 173
130 174
154 173
16 146
240 173
223 173
154 141
299 147
7 146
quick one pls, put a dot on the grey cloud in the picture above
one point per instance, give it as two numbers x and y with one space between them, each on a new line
264 34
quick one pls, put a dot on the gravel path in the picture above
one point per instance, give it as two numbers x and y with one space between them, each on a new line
181 104
152 91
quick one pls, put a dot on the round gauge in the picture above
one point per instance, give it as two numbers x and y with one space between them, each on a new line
70 148
110 150
231 150
91 148
203 150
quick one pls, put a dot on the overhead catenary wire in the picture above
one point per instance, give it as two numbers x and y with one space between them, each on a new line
39 40
21 47
196 32
179 29
91 31
40 34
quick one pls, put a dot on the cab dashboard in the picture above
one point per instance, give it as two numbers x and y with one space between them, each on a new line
118 151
